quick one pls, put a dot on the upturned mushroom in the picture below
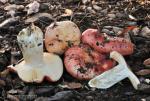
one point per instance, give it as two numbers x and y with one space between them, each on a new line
61 35
36 65
84 63
115 75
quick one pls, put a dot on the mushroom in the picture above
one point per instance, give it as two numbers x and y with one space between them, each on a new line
61 35
114 75
106 44
84 63
36 65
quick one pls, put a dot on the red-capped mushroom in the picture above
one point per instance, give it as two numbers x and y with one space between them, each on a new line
61 35
106 44
36 65
84 63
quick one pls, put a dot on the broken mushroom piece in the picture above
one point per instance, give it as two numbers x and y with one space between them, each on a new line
61 35
36 65
114 75
84 63
106 44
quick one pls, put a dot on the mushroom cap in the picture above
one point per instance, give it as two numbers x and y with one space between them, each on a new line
106 44
51 68
60 35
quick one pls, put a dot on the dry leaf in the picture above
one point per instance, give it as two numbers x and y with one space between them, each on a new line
71 85
143 72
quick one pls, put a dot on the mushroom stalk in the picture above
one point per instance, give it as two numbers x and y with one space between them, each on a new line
31 43
114 75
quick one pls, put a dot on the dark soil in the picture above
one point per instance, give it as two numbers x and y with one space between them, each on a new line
111 13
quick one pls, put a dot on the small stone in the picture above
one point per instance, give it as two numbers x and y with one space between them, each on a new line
89 97
111 16
135 31
33 7
145 32
97 7
91 10
111 33
104 11
147 81
106 31
107 27
3 1
85 1
117 29
120 15
144 87
44 7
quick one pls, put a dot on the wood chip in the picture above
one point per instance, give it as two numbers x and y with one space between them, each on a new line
37 16
12 98
73 85
12 91
147 62
9 20
143 72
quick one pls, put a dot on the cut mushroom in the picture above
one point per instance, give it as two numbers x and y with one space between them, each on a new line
114 75
61 35
36 65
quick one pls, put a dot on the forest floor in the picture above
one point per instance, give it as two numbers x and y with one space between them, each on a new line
110 16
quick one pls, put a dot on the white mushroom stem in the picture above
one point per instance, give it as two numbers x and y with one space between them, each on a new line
31 43
36 65
114 75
